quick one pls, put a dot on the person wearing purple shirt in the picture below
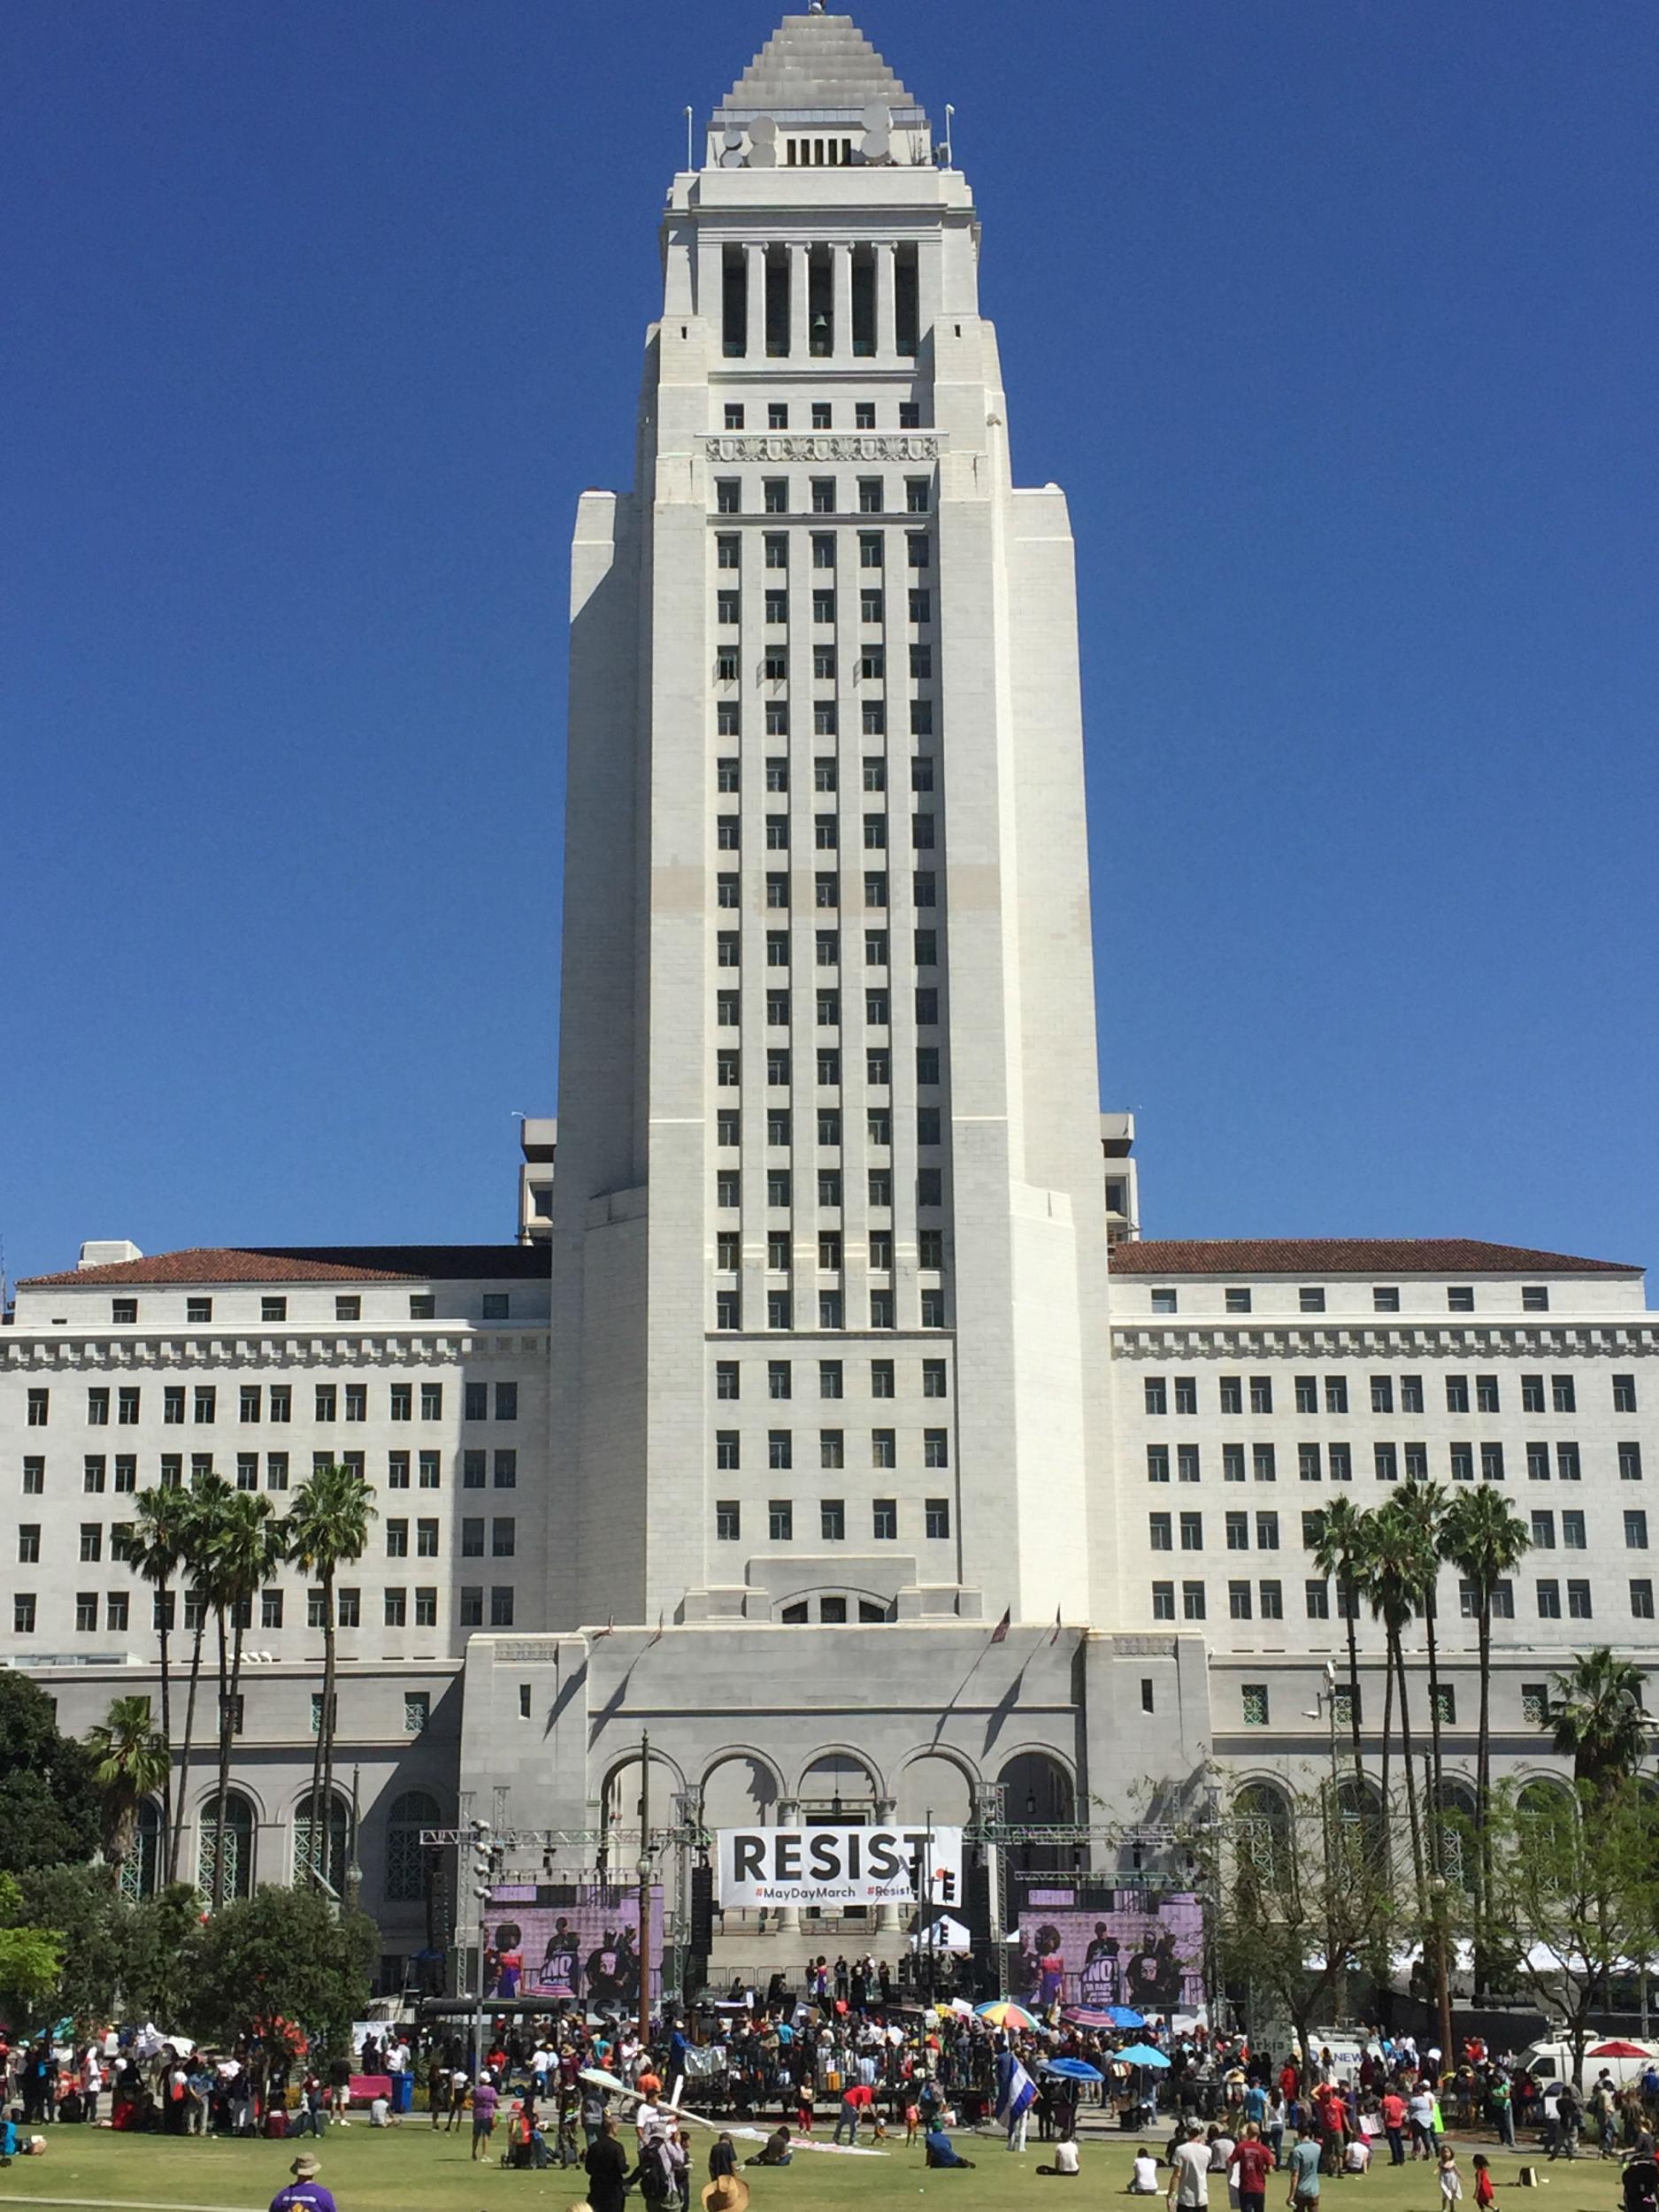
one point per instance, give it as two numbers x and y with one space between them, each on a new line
304 2192
486 2097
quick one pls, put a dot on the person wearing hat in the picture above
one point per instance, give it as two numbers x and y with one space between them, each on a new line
726 2192
304 2192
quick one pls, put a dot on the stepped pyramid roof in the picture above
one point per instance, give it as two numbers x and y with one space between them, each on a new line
813 63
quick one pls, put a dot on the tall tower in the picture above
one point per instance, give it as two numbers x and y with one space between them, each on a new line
829 1331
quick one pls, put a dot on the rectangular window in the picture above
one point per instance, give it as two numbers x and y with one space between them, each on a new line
271 1609
1457 1393
1187 1393
1579 1606
1253 1696
1562 1395
885 1520
1487 1393
1191 1532
1549 1599
779 1520
474 1401
935 1447
728 1521
425 1539
97 1409
1263 1463
1534 1298
1160 1532
1630 1462
1460 1301
1572 1536
394 1608
501 1606
205 1403
1624 1394
93 1472
1158 1463
1641 1598
1635 1532
1193 1601
503 1536
1382 1393
1267 1532
1163 1601
1232 1463
1231 1388
832 1515
936 1517
829 1379
1463 1462
1238 1607
1238 1528
1491 1462
1308 1466
1316 1596
832 1448
281 1401
471 1609
29 1544
1410 1393
1237 1301
1156 1394
1339 1462
1270 1600
779 1449
1538 1462
1532 1394
357 1401
1336 1394
1567 1468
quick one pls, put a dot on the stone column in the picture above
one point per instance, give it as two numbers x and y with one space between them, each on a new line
786 1919
800 330
843 266
889 1918
755 340
887 323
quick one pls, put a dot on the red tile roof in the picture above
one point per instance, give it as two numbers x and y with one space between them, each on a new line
316 1263
1347 1255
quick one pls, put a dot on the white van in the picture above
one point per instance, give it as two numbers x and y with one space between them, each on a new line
1553 2062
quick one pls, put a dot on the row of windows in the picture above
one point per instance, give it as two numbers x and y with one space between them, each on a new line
827 1008
99 1473
1389 1461
728 1187
1161 1529
254 1403
826 950
824 496
831 1449
1181 1391
778 891
1265 1600
827 1064
116 1610
502 1531
423 1306
728 615
823 414
728 1379
1384 1298
827 1123
884 1517
784 1310
872 717
825 831
826 773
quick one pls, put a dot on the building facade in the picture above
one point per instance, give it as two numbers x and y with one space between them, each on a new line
804 1426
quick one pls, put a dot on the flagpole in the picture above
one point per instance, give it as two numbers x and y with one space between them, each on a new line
644 1872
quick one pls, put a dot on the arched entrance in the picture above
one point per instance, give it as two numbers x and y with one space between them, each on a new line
1038 1793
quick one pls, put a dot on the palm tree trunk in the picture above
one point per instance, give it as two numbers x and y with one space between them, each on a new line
314 1865
1387 1729
1352 1683
223 1792
162 1631
184 1750
1483 1785
323 1827
1413 1815
1436 1842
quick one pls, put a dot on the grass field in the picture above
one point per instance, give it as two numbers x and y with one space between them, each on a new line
412 2170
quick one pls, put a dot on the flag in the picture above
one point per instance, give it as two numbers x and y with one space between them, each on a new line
608 1630
1055 1637
999 1634
1015 2089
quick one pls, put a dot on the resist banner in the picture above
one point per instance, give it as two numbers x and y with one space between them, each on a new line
838 1866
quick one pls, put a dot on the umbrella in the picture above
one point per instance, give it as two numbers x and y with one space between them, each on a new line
1126 2016
1140 2054
1073 2069
1617 2050
1004 2013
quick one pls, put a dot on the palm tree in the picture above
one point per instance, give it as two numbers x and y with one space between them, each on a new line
327 1527
1486 1542
1338 1552
1599 1720
130 1763
1391 1563
249 1545
1421 1507
204 1503
154 1554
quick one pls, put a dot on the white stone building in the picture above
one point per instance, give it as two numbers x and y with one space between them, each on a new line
830 1381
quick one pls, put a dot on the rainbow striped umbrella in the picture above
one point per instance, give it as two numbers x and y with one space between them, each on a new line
1004 2013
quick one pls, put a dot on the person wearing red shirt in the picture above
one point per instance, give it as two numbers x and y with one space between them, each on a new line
1249 2166
1394 2120
1288 2077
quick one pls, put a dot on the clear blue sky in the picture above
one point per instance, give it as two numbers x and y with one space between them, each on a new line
1336 318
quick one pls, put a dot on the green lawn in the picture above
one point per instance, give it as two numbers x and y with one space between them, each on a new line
412 2170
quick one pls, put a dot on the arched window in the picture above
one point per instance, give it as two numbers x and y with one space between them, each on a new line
1037 1792
239 1839
1362 1817
1457 1832
320 1846
406 1859
141 1868
1262 1828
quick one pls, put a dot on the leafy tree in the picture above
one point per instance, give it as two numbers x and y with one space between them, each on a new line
155 1553
327 1528
1600 1724
1575 1892
283 1955
247 1547
1338 1552
49 1803
31 1958
1298 1901
157 1961
130 1762
84 1906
